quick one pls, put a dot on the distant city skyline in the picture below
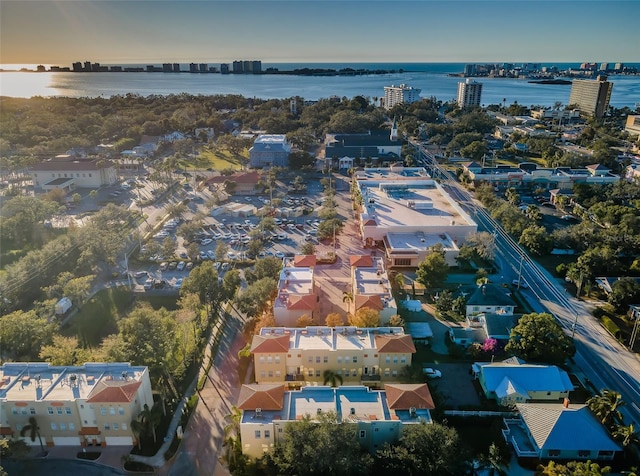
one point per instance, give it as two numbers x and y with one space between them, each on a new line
154 31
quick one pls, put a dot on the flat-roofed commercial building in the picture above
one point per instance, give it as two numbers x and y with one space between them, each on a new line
591 96
408 212
90 404
358 355
402 94
379 415
79 172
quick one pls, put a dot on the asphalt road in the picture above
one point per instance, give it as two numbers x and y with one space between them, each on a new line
599 357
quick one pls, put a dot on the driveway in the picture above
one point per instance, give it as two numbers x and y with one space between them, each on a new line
455 385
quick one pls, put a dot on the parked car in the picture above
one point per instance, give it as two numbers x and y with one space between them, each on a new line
178 283
173 265
189 266
148 284
206 241
520 283
164 265
180 266
141 274
431 373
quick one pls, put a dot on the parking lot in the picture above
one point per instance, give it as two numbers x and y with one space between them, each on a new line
292 229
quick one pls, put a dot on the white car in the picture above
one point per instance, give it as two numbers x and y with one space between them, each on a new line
148 284
180 266
178 283
211 254
231 255
206 241
431 373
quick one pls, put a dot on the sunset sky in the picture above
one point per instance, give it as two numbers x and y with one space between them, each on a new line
153 31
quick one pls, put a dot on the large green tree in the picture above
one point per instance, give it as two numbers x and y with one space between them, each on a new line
539 338
423 449
22 334
320 446
433 270
149 338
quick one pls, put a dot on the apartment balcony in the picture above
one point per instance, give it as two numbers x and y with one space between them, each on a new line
294 378
371 378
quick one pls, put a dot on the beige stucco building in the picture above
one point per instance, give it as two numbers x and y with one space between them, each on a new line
91 404
300 356
297 295
378 415
78 172
371 288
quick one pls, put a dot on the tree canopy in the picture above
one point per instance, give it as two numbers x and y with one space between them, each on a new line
433 271
539 338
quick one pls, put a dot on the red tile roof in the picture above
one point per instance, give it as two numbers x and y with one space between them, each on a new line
361 261
305 302
6 431
301 261
270 344
405 396
238 177
372 301
370 222
264 396
395 344
117 391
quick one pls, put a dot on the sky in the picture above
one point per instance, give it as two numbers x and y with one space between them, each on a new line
311 31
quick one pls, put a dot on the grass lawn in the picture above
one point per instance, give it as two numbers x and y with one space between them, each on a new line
98 317
170 303
217 160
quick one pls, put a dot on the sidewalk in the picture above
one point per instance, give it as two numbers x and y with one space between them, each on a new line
201 446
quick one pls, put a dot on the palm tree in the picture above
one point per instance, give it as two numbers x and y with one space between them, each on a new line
34 430
347 298
626 435
494 461
150 418
605 406
137 428
232 442
329 376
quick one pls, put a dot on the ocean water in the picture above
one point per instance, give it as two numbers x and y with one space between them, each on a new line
431 78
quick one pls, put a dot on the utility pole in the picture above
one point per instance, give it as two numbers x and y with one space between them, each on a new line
520 272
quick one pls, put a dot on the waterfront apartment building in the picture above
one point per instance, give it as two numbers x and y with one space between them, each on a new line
591 96
84 405
469 93
402 94
300 356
